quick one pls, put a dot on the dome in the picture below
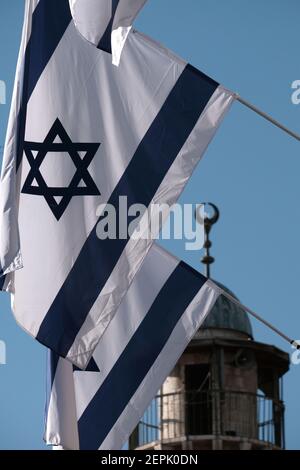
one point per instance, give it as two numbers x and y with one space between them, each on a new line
227 315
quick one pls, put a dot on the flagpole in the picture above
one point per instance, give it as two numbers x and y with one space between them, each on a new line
268 118
260 319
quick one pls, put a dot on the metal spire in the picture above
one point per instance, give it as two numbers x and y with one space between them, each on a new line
207 260
208 222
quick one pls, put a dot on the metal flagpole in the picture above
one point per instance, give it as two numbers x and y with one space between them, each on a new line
268 118
259 318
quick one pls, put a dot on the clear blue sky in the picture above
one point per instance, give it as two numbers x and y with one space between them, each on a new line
251 171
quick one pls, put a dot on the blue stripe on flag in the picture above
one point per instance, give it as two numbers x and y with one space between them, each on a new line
49 23
2 280
148 167
91 367
138 357
105 41
52 363
50 20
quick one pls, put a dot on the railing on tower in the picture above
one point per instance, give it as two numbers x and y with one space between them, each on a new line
212 412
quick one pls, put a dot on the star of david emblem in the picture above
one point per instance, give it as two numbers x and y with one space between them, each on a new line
82 183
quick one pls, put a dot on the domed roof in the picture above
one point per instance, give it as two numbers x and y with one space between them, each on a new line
227 315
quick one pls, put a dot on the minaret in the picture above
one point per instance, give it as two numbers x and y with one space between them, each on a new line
226 390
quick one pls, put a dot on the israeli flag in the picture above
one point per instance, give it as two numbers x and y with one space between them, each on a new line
99 408
83 135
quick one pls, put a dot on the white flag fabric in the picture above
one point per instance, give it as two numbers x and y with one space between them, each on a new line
100 407
106 23
84 135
